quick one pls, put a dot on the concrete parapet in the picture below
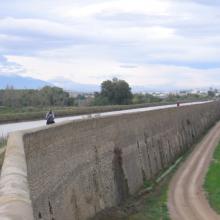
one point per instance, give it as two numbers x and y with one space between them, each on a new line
15 203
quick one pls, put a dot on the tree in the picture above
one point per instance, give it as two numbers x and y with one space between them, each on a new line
211 93
54 96
116 92
138 98
146 98
47 96
99 100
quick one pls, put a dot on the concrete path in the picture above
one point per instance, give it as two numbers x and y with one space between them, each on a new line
187 199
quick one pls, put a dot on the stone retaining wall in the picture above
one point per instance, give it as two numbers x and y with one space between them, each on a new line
79 168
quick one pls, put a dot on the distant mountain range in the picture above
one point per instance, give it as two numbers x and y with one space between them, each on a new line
79 87
20 82
73 86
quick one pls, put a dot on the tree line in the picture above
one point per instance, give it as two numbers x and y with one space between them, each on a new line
118 92
47 96
113 92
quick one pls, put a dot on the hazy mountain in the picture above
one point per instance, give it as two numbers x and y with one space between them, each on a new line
20 82
74 86
166 88
79 87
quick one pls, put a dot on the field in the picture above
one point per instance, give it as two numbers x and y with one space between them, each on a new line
212 181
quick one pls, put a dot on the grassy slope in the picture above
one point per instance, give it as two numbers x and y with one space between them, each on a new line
155 207
212 181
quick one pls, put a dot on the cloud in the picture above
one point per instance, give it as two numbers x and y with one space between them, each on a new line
150 75
23 36
8 68
87 40
205 2
139 6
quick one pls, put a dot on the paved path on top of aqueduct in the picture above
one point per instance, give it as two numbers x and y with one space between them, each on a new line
187 199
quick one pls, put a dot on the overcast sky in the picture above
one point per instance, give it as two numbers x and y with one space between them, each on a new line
172 43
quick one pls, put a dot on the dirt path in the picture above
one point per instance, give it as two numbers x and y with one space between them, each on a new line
186 197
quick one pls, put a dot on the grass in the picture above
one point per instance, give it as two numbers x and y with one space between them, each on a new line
155 207
212 181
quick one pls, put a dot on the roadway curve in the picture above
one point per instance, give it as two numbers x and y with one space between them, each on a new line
186 200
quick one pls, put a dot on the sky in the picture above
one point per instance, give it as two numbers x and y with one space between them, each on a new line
156 43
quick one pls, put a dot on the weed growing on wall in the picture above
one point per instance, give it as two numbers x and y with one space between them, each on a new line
3 141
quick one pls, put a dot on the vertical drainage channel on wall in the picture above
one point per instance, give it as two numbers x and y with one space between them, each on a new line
144 177
119 176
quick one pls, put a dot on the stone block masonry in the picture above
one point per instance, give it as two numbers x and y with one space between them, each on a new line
76 169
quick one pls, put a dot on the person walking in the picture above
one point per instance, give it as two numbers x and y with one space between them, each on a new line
50 117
